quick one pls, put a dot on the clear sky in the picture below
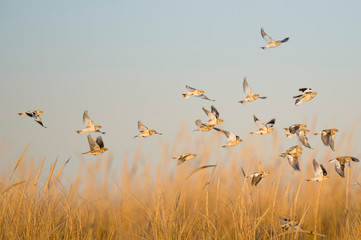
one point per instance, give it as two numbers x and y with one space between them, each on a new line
125 61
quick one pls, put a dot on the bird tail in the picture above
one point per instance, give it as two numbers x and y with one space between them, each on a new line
185 95
252 133
22 114
263 48
285 40
318 133
79 131
288 135
135 136
282 155
242 101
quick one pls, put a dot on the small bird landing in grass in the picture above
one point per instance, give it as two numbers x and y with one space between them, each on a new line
271 43
328 137
250 96
263 128
292 155
293 128
96 147
258 176
290 224
213 116
90 127
202 126
320 173
184 157
340 163
195 92
307 95
35 114
144 131
233 139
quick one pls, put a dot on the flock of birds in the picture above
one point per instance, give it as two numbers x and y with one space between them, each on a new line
292 154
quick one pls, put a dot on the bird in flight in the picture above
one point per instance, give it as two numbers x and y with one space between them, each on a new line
328 137
144 131
271 43
319 172
233 139
292 155
263 128
195 92
90 127
35 114
184 157
307 95
213 116
340 163
202 126
257 177
96 147
250 96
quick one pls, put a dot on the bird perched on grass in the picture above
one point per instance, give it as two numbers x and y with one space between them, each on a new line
328 137
96 147
307 95
340 163
202 126
271 43
90 127
263 128
185 157
144 131
213 116
35 114
292 155
320 173
195 92
250 96
258 176
233 139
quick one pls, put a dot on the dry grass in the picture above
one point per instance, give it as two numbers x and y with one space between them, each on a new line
163 201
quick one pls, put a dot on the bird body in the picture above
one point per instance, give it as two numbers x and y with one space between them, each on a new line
90 127
250 96
263 128
96 147
144 131
195 92
258 176
271 43
320 173
328 137
35 114
203 127
306 96
293 128
184 157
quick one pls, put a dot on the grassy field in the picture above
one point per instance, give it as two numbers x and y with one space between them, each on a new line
164 201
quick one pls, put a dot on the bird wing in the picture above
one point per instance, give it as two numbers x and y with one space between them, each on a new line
214 111
325 136
305 90
100 142
265 36
142 127
317 169
246 88
293 161
30 113
332 142
210 115
340 168
93 145
303 138
206 98
270 123
190 88
229 135
292 129
256 179
324 172
38 120
87 120
258 122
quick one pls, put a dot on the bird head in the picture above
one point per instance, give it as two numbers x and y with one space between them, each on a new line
97 127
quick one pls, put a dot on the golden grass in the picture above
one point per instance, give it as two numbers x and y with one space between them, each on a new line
207 197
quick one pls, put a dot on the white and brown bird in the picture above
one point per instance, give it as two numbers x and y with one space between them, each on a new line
233 139
34 114
195 92
203 127
250 96
271 43
320 173
184 157
307 95
96 147
328 137
291 130
301 134
89 127
258 176
292 155
144 131
263 128
290 224
341 162
213 116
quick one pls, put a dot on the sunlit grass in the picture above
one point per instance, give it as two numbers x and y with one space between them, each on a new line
161 200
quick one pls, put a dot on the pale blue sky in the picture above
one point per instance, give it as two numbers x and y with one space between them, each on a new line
126 61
